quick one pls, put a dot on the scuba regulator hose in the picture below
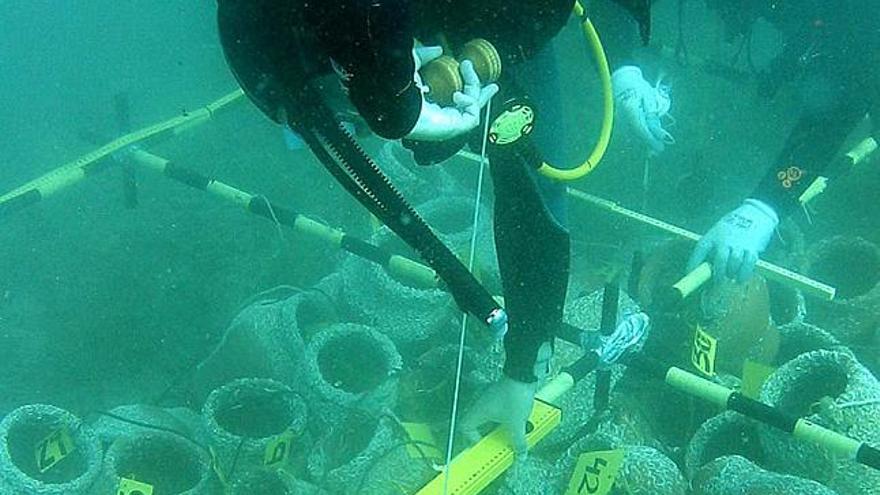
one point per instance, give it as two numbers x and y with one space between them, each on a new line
568 175
517 119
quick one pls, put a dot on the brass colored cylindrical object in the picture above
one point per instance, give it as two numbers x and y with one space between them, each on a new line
484 56
443 75
443 79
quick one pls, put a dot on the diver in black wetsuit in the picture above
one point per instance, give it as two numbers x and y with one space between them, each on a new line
831 56
275 47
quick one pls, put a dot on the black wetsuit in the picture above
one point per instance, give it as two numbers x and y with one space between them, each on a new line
370 42
273 46
831 54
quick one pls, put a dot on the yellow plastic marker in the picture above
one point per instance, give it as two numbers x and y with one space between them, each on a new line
754 375
693 280
53 449
692 384
475 468
816 188
862 151
133 487
279 449
595 473
427 444
704 352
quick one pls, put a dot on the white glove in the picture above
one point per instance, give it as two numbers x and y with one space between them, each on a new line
438 123
737 240
508 403
643 106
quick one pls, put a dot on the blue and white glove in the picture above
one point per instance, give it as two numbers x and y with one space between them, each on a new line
643 106
438 123
736 241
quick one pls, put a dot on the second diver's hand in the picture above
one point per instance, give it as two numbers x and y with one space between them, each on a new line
735 242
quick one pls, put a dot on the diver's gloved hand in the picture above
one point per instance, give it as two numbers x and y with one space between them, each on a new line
436 123
508 402
642 106
736 241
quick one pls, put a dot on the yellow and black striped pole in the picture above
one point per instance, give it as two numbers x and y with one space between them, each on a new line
74 171
838 444
860 153
401 268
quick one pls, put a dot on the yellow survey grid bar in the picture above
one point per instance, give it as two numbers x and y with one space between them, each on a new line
70 172
475 468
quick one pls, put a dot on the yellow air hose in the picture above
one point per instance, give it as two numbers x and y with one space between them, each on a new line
598 152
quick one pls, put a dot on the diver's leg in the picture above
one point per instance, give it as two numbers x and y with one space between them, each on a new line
540 78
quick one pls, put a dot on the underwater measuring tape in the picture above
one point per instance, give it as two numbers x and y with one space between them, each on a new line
703 273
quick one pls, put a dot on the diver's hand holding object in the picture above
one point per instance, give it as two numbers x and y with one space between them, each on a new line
440 123
508 402
643 106
737 240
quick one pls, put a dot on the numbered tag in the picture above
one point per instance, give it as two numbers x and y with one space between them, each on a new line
279 449
133 487
753 377
595 473
53 449
427 444
704 351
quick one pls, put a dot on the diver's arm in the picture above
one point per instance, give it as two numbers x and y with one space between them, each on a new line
810 148
735 242
522 354
371 46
